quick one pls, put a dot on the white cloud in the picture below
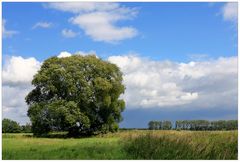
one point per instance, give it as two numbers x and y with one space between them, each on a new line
83 53
64 54
166 84
98 20
13 102
42 25
17 75
68 33
100 27
198 57
18 70
230 11
79 7
7 33
149 84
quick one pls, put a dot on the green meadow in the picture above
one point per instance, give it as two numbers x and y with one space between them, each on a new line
129 144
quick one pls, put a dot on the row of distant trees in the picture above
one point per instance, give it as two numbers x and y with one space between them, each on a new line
163 125
194 125
10 126
206 125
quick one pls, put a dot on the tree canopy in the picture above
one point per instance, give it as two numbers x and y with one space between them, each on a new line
78 94
10 126
161 125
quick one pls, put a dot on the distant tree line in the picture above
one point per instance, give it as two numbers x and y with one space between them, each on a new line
160 125
206 125
194 125
10 126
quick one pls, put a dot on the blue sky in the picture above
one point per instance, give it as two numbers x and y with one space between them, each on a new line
171 31
168 35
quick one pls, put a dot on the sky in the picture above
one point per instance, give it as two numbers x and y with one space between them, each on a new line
179 60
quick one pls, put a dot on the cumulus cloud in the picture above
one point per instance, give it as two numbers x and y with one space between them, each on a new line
17 75
79 7
42 25
68 33
105 30
5 32
83 53
64 54
230 11
150 84
18 70
13 102
198 57
98 20
166 84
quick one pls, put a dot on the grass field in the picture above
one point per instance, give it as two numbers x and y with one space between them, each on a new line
134 144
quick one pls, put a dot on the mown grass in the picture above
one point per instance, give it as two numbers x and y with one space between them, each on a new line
25 147
134 144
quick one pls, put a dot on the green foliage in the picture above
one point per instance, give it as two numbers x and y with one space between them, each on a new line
166 125
78 94
194 125
26 128
160 125
207 125
153 125
10 126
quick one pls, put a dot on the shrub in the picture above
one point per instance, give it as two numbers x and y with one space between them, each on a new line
10 126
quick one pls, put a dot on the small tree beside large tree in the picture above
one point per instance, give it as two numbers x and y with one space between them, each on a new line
78 94
10 126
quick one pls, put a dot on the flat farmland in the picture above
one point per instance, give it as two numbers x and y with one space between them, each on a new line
127 144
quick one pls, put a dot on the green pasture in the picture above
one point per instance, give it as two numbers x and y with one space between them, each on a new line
129 144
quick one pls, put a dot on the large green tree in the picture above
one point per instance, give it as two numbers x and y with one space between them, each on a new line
78 94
